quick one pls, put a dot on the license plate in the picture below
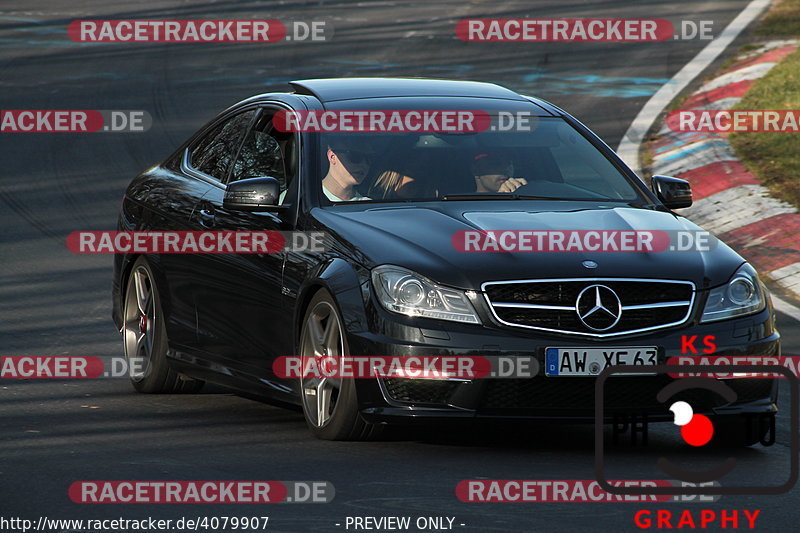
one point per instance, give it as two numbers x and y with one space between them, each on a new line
592 361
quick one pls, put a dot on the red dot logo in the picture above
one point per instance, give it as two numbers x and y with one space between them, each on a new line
696 430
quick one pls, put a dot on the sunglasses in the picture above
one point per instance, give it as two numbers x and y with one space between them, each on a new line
353 156
503 170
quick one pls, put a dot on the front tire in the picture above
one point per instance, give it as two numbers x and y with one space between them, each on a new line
330 405
144 337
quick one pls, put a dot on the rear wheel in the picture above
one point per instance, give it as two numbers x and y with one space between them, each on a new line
144 337
329 404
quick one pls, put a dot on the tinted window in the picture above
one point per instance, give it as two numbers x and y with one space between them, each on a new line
213 154
549 160
269 152
583 166
261 154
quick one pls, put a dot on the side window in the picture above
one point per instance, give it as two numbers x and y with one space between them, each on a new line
267 152
213 154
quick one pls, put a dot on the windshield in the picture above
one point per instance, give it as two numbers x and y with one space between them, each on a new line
552 161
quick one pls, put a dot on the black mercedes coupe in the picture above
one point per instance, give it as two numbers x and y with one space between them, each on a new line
391 278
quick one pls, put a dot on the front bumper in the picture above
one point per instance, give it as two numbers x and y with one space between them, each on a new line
568 399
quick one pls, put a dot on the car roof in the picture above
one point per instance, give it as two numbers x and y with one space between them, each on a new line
338 89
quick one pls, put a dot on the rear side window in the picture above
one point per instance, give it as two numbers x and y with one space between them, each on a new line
213 154
261 153
267 151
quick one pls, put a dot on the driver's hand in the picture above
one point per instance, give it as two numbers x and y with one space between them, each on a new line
512 184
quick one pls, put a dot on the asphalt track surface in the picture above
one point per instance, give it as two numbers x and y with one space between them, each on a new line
53 302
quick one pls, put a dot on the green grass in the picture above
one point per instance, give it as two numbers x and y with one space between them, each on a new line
774 157
782 20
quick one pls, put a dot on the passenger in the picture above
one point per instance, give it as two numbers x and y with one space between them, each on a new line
495 173
392 184
347 168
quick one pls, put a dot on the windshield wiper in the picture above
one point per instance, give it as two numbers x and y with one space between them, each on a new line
486 196
557 198
509 196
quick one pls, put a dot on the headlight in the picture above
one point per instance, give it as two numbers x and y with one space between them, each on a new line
405 292
742 295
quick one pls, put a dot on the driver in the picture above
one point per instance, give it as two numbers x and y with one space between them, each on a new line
346 169
493 173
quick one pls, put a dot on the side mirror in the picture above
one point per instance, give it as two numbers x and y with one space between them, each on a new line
674 193
253 194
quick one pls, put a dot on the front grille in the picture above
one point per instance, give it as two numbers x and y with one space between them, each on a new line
552 305
621 394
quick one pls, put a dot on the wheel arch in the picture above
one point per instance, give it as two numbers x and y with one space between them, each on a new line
121 286
347 288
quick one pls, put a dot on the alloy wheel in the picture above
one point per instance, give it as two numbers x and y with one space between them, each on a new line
321 340
140 323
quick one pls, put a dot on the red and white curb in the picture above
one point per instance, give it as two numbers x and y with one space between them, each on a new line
729 201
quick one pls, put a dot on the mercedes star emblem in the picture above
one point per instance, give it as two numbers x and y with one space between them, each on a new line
598 307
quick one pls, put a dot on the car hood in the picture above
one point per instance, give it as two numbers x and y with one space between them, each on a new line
420 237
